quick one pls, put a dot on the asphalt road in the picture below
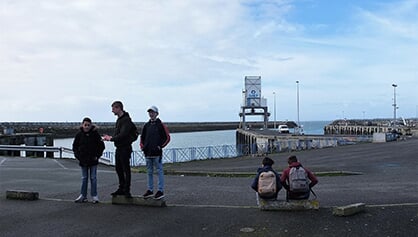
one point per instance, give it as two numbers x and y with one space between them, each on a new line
220 206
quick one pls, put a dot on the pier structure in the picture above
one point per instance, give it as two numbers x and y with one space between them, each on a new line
253 104
370 127
261 142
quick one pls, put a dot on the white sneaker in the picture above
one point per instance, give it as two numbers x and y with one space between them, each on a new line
95 199
81 199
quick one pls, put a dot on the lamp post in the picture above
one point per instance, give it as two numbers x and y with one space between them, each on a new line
274 124
394 105
297 102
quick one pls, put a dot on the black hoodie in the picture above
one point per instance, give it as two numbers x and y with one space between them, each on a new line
88 147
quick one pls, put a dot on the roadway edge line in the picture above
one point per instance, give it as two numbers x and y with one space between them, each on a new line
242 207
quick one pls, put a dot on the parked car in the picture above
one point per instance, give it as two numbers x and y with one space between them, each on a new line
283 129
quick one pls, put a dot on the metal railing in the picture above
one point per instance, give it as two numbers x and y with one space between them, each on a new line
174 155
44 149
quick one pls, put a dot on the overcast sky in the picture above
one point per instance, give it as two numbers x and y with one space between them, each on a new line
62 60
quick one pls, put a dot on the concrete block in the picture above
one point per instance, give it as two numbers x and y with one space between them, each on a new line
22 195
291 205
349 209
139 200
379 137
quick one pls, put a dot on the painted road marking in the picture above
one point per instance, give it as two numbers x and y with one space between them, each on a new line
241 207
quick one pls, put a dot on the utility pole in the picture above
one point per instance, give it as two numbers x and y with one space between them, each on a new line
274 124
297 95
394 105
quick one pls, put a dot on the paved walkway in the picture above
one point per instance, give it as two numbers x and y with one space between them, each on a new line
220 206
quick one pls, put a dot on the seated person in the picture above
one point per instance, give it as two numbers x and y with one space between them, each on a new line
297 180
267 181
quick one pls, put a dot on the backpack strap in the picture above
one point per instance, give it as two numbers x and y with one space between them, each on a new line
313 193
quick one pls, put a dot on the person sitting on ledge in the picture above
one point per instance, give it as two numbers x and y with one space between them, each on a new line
297 180
267 181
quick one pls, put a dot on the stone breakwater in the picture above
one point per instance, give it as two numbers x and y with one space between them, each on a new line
69 129
369 127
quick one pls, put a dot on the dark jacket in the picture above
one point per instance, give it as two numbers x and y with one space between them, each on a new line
154 137
284 179
122 136
266 168
88 147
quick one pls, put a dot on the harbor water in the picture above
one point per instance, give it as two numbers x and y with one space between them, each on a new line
203 139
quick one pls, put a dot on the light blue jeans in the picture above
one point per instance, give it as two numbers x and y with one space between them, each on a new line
156 162
93 180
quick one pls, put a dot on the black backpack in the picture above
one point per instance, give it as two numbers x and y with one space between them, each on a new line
133 133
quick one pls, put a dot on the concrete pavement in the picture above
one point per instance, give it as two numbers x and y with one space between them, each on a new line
220 206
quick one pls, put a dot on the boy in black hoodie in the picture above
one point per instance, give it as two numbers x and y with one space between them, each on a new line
88 147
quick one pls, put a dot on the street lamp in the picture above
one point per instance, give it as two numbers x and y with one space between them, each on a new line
274 125
297 95
394 105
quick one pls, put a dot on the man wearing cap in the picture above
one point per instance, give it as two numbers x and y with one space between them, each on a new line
123 144
154 137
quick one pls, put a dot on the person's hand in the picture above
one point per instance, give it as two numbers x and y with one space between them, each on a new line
107 137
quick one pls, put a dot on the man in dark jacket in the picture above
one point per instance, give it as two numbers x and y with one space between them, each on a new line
154 137
123 143
88 147
267 165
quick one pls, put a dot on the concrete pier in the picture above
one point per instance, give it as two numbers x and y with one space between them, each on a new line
369 127
260 142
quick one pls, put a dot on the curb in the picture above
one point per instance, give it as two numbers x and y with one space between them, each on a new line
22 195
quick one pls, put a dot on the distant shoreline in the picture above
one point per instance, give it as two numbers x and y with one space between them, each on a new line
69 129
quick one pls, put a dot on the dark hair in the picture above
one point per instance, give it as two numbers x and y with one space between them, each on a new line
267 161
117 104
292 159
86 119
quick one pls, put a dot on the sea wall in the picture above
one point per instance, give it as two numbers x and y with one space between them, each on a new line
69 129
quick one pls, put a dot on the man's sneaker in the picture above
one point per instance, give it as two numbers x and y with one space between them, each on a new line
95 199
159 195
118 192
148 194
81 199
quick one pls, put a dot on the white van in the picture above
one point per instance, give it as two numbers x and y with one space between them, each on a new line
283 129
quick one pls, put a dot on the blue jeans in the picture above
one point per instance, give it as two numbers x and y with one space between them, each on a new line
93 180
158 163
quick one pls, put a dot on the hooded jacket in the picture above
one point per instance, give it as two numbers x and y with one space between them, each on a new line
122 135
88 147
154 137
284 179
266 168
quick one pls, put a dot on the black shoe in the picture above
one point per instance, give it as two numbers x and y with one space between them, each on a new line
118 192
159 195
148 194
128 195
